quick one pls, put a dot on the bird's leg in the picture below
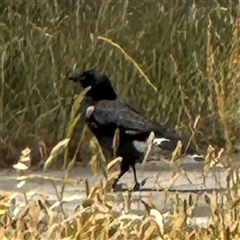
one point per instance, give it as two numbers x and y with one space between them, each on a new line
137 185
124 169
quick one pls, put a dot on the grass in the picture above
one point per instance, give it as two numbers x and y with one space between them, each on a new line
104 215
179 61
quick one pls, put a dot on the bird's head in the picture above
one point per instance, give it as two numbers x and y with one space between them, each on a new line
86 78
100 83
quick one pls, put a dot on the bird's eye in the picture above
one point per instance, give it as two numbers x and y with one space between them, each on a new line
83 76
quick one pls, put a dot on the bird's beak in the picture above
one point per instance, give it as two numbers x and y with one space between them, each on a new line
76 77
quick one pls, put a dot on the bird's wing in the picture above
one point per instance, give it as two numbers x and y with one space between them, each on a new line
118 114
123 115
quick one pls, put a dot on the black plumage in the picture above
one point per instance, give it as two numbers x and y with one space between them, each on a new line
106 112
136 132
117 113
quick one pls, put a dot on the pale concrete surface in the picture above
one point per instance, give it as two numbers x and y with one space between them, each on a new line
158 174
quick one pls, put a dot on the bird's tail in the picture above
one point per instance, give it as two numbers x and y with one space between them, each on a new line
169 141
166 140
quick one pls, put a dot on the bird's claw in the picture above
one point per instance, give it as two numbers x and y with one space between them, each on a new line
136 187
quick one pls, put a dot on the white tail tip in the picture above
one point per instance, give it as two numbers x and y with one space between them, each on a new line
158 141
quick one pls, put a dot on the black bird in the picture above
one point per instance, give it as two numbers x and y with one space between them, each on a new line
106 112
136 133
102 89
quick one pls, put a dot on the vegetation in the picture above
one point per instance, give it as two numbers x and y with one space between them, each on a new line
188 50
178 61
104 215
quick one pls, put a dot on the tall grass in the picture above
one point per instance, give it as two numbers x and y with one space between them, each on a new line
188 51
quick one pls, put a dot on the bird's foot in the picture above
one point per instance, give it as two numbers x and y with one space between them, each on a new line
136 187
